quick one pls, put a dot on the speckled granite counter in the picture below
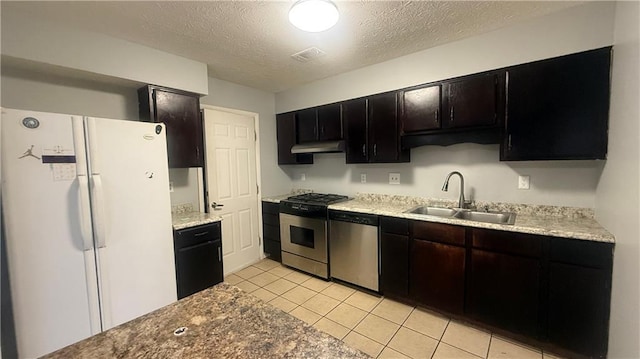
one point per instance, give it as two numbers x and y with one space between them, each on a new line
191 219
277 199
564 222
222 322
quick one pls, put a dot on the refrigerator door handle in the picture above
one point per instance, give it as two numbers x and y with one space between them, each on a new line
98 211
85 209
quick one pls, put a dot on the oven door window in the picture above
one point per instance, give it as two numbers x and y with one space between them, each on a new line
302 236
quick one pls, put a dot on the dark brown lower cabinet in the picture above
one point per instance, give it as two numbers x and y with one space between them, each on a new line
579 295
555 291
394 257
437 275
271 230
504 290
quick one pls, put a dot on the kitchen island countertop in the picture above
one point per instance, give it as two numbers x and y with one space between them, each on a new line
222 322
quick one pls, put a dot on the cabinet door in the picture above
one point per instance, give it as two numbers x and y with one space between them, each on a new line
271 230
181 114
384 140
578 308
504 291
198 267
286 137
558 108
420 109
437 275
471 101
307 125
354 114
394 264
330 122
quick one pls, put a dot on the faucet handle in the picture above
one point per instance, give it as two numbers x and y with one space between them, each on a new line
469 204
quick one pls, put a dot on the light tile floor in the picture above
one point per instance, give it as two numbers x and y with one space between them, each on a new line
378 326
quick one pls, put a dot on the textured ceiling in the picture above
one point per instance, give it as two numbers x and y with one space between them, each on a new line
250 42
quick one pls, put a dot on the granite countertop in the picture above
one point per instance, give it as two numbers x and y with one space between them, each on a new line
557 221
222 322
566 222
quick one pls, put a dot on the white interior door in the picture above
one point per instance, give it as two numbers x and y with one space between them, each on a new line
232 182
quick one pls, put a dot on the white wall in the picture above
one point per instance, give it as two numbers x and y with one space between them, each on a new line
618 193
572 30
49 92
41 41
226 94
552 183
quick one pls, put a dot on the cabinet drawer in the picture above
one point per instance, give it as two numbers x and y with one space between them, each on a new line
271 232
195 235
271 219
394 225
437 232
580 252
507 242
269 207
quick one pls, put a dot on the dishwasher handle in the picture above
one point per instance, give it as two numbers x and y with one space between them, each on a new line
352 217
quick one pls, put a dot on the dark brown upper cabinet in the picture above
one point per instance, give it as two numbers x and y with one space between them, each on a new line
472 101
322 123
420 109
180 112
286 138
372 130
558 108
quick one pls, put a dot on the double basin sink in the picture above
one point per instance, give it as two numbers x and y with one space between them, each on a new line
466 214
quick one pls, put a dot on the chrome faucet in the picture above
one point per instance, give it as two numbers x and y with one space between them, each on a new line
461 202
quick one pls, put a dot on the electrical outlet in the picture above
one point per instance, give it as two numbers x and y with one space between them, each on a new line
523 182
303 177
170 186
394 178
363 178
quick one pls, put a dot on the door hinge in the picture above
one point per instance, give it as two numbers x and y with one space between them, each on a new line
259 240
257 189
255 136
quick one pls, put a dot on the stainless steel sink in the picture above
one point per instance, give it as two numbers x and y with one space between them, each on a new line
476 216
487 217
433 211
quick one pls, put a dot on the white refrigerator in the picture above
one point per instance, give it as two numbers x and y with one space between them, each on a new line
87 220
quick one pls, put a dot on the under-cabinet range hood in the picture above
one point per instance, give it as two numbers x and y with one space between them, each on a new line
318 147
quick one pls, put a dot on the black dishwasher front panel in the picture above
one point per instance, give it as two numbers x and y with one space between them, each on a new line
198 255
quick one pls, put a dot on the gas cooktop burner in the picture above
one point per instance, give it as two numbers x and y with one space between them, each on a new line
319 198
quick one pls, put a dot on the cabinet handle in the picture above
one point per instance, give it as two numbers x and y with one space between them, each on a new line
364 150
201 234
435 116
375 150
219 255
322 130
509 143
451 115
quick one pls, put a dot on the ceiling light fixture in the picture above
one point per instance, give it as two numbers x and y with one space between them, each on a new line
313 15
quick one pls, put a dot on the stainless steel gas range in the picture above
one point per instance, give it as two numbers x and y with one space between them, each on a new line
303 230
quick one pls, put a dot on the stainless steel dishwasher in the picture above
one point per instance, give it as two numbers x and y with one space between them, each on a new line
353 248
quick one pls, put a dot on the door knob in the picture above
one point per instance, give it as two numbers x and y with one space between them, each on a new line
215 205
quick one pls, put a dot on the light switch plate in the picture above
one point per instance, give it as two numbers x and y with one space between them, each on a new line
394 178
170 186
523 182
363 178
303 177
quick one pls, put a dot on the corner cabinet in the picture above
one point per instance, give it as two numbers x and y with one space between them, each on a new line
286 134
558 109
180 112
372 130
